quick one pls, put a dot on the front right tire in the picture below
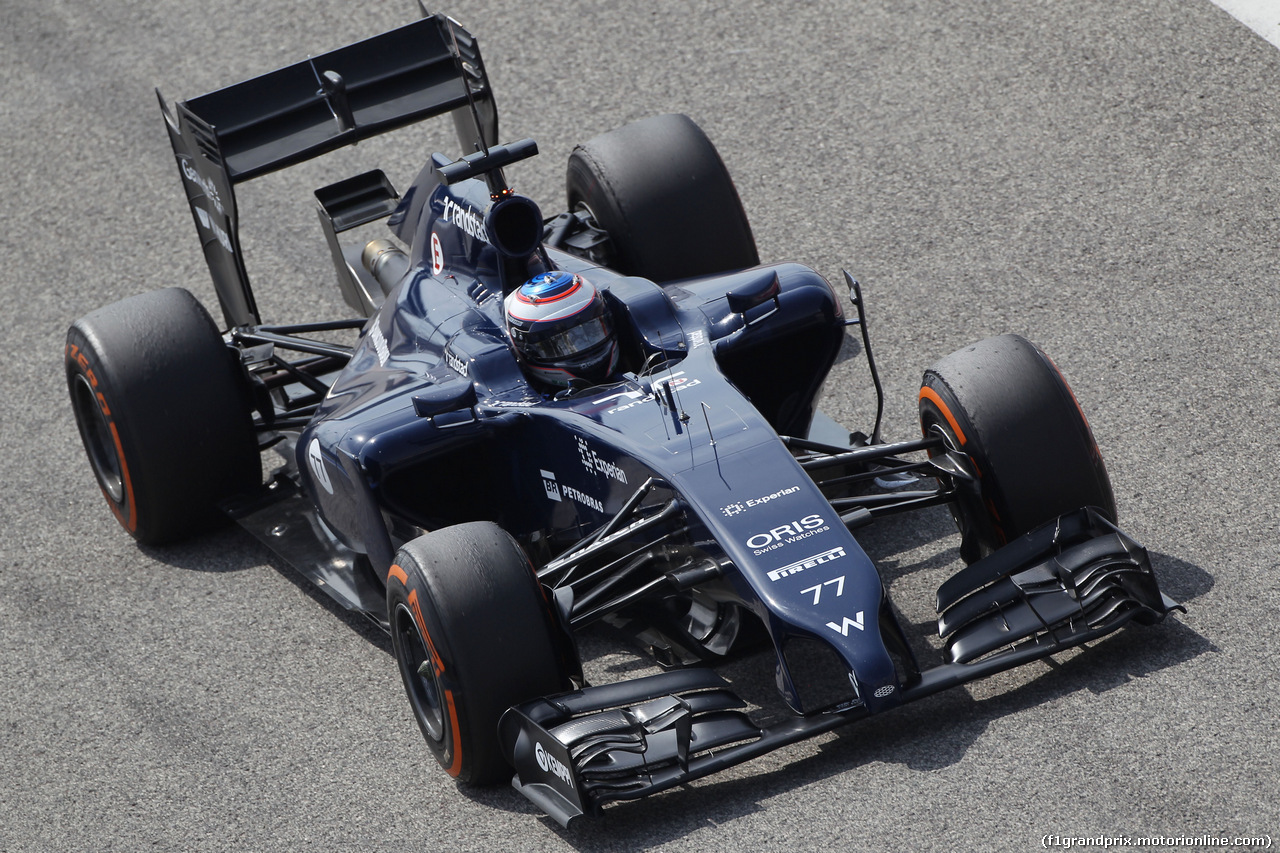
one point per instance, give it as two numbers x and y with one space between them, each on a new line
1005 405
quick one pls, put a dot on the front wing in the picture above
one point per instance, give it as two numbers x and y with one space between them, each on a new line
1070 581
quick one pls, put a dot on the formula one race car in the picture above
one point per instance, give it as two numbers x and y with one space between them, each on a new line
609 414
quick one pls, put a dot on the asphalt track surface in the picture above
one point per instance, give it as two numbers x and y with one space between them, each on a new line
1100 177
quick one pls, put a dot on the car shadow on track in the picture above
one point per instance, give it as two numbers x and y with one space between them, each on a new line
914 554
234 550
227 549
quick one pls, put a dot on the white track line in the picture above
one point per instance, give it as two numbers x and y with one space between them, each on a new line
1261 16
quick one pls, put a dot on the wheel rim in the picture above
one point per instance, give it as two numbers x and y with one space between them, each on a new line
98 443
418 671
966 509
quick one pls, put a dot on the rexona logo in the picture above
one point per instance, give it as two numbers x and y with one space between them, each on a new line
550 764
465 218
785 534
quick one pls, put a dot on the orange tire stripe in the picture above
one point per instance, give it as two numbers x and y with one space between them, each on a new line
455 767
1071 394
932 396
130 523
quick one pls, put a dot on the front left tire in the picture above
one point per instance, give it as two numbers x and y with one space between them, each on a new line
472 635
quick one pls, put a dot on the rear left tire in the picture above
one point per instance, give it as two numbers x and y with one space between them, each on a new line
163 413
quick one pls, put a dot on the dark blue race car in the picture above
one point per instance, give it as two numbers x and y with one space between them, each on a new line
604 415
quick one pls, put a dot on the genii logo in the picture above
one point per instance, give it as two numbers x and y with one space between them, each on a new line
209 187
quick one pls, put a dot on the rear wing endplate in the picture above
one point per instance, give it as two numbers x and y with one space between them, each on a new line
232 135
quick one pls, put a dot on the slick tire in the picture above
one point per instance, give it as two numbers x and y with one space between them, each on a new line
1004 403
472 635
163 413
661 192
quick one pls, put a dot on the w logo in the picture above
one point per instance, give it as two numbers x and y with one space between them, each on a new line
843 628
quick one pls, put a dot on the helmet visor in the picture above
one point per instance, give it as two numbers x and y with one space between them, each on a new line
569 343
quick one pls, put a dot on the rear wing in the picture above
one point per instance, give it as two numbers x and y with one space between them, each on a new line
232 135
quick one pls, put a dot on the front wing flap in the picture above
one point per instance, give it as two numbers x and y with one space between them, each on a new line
576 752
1077 573
618 741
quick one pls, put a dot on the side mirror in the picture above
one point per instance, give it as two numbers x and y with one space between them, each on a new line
449 397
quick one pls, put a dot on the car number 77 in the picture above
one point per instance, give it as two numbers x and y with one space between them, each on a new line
817 589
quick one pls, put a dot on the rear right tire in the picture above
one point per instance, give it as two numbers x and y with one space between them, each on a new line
659 189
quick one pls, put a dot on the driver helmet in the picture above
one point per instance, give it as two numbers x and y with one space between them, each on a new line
561 328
